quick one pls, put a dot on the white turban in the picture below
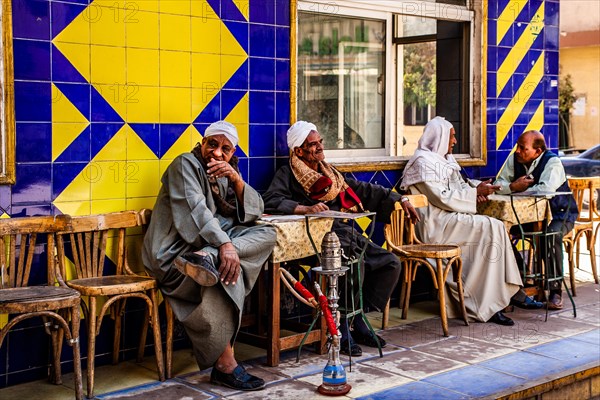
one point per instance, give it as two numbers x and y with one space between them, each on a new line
298 133
223 128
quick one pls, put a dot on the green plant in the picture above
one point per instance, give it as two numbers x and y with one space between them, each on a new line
566 98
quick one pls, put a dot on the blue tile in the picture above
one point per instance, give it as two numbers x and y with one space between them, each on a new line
538 43
262 40
501 157
169 133
394 177
150 134
551 87
243 166
34 339
78 95
538 91
501 56
5 195
492 55
281 147
364 176
262 140
78 149
491 111
262 12
527 112
415 391
211 112
492 33
63 14
216 6
552 13
572 353
282 75
262 74
240 31
592 337
32 210
33 183
101 110
551 63
508 39
32 101
524 15
550 132
490 85
31 60
491 139
31 19
551 112
239 80
524 66
507 91
261 171
551 37
475 381
64 173
101 134
63 70
282 12
533 56
262 107
282 43
34 142
230 99
229 11
282 108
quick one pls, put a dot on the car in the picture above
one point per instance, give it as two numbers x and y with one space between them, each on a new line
584 164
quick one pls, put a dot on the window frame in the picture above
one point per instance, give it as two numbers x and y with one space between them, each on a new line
360 159
7 107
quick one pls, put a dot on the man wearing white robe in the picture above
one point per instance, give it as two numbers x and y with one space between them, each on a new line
490 272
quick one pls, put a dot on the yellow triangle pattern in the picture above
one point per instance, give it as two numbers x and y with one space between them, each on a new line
67 122
4 215
508 17
239 117
244 7
185 143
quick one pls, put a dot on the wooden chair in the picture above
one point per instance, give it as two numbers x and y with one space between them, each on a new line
89 236
55 303
401 240
583 189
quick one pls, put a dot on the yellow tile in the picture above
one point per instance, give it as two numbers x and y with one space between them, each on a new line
108 206
107 26
137 203
206 37
229 45
144 32
80 188
175 68
117 95
230 64
63 134
116 148
179 7
206 71
109 3
145 5
63 110
184 144
142 67
200 98
136 148
145 109
163 165
108 65
174 32
239 116
175 105
143 178
201 8
74 207
244 7
110 183
78 31
78 55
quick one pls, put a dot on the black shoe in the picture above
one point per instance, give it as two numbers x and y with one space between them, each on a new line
353 349
368 339
528 304
501 319
238 379
200 268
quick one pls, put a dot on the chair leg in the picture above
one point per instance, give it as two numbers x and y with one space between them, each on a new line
143 335
169 339
569 248
157 339
119 307
56 337
457 274
386 315
591 242
91 347
408 280
75 322
442 295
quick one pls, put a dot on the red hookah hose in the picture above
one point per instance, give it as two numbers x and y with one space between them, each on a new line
300 288
327 314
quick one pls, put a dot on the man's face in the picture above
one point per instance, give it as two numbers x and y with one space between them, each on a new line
311 150
217 147
525 153
452 140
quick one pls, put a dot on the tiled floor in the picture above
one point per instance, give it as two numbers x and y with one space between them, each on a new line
476 361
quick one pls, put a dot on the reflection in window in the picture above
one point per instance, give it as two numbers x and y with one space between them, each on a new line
341 81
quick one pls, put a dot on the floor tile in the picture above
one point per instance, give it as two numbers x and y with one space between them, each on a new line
526 365
572 352
290 389
475 381
415 364
160 391
587 314
522 335
465 350
592 337
560 326
415 391
411 335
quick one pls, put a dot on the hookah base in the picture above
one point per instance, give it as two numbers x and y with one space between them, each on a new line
334 390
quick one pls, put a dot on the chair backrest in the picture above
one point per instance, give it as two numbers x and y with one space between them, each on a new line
89 237
18 239
400 230
584 189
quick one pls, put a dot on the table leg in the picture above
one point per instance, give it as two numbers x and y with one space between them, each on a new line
274 326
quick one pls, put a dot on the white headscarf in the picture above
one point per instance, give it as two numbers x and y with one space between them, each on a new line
223 128
431 163
298 133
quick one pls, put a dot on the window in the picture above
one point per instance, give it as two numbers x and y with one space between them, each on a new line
370 74
7 109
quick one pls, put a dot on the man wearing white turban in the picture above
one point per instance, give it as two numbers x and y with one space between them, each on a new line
204 251
309 184
490 272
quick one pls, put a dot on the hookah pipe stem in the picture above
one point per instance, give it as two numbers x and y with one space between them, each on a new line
327 313
300 288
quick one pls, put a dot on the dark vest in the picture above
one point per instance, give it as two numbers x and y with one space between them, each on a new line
564 208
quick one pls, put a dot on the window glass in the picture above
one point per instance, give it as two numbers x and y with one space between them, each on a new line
341 80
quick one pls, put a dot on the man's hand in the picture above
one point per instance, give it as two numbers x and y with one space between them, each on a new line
482 199
485 188
410 211
521 184
229 270
301 210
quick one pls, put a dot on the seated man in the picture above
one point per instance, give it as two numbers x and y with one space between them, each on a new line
202 219
309 185
490 273
534 169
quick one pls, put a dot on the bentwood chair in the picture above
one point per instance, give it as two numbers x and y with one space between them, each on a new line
583 191
90 240
55 302
402 241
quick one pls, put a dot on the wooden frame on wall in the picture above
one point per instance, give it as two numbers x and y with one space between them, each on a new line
7 99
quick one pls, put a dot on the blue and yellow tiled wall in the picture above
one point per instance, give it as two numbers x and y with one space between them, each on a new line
108 92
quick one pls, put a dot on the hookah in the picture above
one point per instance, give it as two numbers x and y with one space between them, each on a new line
334 374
